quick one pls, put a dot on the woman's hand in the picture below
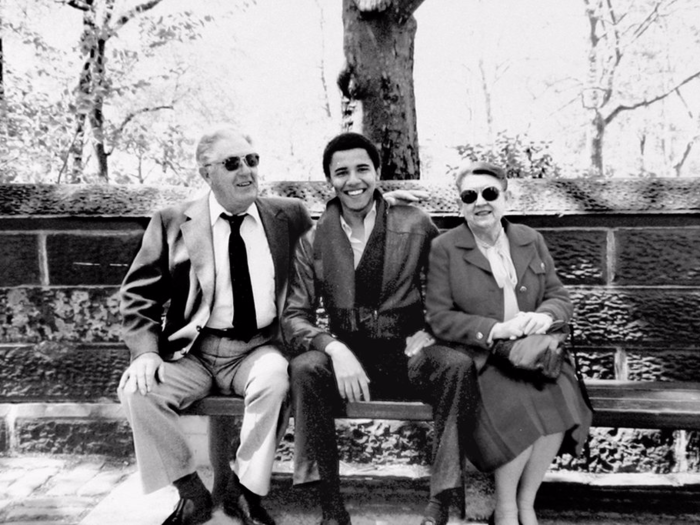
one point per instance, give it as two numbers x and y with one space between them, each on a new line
416 342
511 329
534 322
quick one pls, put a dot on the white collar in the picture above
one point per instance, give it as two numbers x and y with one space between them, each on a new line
216 209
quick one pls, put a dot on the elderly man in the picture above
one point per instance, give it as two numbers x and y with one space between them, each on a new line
220 330
364 261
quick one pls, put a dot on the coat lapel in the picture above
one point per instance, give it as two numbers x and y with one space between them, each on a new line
197 236
522 248
465 241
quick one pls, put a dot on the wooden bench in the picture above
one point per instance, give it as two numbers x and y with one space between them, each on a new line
630 404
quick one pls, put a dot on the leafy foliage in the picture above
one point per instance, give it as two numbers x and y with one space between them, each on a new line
520 157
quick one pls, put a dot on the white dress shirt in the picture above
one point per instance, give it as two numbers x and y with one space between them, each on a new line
359 245
260 265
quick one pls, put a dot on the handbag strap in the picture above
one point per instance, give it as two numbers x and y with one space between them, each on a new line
577 368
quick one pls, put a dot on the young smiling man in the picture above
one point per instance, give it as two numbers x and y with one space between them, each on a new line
363 260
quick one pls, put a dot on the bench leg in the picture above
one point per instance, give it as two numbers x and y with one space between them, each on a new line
462 493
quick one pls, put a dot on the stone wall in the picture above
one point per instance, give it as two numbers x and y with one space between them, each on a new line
629 251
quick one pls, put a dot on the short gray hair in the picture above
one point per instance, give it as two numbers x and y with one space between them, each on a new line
208 139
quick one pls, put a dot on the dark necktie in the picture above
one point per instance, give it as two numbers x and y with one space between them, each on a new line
244 321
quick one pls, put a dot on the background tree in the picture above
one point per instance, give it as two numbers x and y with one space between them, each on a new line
99 26
378 79
616 30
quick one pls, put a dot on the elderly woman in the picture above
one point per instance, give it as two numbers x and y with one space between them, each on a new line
491 280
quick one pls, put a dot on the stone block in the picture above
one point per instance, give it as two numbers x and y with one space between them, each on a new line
596 364
83 259
626 450
661 365
74 436
579 255
19 260
77 314
4 433
658 256
61 371
640 316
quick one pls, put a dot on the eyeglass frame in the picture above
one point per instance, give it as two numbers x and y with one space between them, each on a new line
241 159
475 194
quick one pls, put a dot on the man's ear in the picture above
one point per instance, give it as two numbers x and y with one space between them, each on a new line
204 173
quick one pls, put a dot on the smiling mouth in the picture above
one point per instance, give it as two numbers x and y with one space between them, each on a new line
244 184
354 193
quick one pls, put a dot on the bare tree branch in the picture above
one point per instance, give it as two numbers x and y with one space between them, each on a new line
622 107
133 115
142 8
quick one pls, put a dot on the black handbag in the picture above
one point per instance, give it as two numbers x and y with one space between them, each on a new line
536 357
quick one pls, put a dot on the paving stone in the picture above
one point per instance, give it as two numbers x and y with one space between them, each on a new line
42 513
31 462
28 483
103 483
65 502
70 481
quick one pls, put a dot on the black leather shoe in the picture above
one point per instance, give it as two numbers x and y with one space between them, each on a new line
249 512
190 512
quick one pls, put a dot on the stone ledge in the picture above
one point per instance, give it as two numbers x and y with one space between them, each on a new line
531 196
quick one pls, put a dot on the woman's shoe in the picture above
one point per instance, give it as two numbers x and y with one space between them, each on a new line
440 519
430 520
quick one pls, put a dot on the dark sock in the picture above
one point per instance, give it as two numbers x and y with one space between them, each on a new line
191 487
332 503
251 496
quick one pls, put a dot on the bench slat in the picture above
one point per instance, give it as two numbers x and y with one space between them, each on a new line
653 405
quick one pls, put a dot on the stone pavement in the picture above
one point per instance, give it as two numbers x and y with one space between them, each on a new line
92 490
52 490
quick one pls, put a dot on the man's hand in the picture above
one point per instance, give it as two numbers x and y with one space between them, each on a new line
416 342
353 383
405 197
143 373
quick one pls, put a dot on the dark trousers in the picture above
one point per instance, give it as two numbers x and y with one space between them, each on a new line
445 378
316 400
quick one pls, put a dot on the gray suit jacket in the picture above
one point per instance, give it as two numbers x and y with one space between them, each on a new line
172 274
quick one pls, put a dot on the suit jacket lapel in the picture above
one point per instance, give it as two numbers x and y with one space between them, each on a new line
276 228
197 236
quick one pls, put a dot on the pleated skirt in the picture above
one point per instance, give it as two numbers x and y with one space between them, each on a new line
513 413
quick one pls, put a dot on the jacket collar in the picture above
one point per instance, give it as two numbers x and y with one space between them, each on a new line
519 238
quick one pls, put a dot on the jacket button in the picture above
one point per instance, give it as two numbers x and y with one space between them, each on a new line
479 335
523 288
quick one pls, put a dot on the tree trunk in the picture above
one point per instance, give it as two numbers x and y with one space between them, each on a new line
378 79
97 60
597 135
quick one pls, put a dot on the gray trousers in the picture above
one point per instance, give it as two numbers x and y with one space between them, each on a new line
256 370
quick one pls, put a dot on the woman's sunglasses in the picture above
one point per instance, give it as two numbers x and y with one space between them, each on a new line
489 194
233 163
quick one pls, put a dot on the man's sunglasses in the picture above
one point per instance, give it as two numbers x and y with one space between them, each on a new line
233 163
489 194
